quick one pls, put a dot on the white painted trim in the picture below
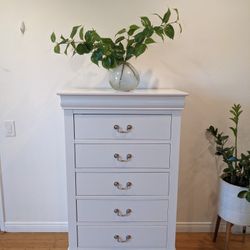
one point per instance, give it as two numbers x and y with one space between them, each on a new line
195 227
200 227
2 226
63 227
36 226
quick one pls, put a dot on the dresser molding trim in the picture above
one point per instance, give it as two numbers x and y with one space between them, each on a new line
144 99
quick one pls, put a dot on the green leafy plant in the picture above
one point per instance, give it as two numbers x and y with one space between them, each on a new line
237 171
128 43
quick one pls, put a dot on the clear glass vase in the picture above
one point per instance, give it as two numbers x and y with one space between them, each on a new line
124 77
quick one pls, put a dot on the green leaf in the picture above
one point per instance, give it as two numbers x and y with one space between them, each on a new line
89 46
53 37
130 42
148 31
233 119
95 36
120 31
96 56
57 49
232 159
166 16
132 29
139 49
239 112
93 60
88 36
234 130
74 30
149 40
145 21
248 196
84 48
119 51
63 39
81 33
177 13
130 52
242 194
180 27
159 31
139 38
107 62
66 49
119 39
107 41
169 31
158 16
80 48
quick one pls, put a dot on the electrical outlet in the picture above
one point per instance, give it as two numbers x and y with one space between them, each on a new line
10 130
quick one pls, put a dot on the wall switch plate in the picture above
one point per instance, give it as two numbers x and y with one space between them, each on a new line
10 130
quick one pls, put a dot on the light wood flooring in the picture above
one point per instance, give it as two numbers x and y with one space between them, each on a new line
58 241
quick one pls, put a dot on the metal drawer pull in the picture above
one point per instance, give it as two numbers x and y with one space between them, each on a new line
120 130
120 187
120 240
119 158
119 213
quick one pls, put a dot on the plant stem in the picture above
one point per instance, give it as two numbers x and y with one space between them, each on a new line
236 141
123 65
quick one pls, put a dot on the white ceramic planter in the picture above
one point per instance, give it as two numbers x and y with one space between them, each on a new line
231 208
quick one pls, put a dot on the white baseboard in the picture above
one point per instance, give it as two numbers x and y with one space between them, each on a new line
63 227
36 226
200 227
197 227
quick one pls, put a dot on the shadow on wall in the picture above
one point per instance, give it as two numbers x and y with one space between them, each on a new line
148 81
92 78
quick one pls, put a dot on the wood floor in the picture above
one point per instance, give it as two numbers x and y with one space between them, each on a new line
58 241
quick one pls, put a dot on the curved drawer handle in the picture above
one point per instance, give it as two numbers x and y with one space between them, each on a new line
120 187
119 158
119 239
120 130
119 213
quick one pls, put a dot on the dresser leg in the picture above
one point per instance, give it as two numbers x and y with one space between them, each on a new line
217 228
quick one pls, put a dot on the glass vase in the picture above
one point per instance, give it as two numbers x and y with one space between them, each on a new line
124 77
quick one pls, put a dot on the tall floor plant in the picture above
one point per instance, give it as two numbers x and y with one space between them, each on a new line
237 170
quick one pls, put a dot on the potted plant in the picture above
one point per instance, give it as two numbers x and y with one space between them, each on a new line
114 54
234 196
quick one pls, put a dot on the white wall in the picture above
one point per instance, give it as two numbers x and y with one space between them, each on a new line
210 60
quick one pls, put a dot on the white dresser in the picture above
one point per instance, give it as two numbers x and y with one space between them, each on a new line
122 154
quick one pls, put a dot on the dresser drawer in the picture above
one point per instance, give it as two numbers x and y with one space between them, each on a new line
122 155
111 236
118 210
122 184
122 127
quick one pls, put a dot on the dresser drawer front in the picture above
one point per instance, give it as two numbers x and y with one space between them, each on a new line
122 210
122 184
122 127
104 236
122 155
